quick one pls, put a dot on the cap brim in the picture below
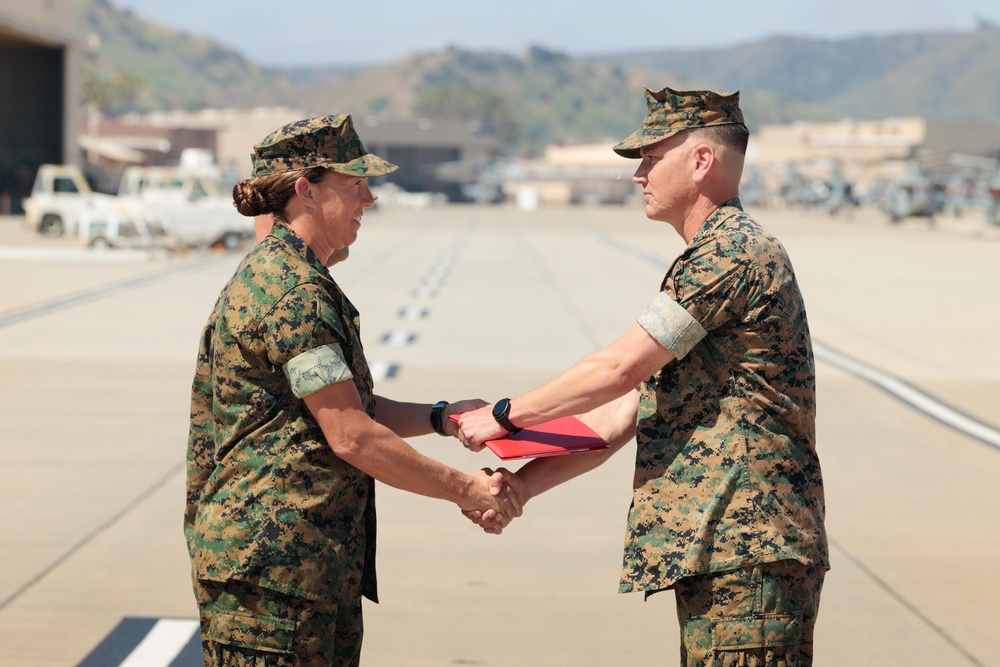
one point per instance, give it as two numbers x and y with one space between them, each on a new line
639 139
367 165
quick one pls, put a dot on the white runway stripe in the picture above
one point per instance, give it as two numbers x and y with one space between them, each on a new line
149 642
398 338
412 313
382 370
163 643
911 395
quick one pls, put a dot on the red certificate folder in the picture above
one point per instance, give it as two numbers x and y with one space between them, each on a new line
565 435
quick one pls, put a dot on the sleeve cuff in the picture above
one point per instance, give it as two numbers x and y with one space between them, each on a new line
311 371
671 326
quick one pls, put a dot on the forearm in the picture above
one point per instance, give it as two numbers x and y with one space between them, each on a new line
542 474
375 449
406 420
614 421
595 380
588 384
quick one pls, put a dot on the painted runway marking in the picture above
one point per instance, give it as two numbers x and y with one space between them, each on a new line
383 370
424 293
915 398
166 639
412 313
149 642
398 338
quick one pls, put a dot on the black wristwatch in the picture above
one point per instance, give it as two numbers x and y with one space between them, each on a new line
437 417
501 410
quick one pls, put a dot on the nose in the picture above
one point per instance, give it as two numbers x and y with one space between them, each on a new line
639 177
367 198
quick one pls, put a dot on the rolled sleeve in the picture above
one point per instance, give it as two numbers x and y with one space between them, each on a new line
311 371
671 326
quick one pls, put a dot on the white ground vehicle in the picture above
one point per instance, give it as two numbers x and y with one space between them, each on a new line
186 204
174 207
62 202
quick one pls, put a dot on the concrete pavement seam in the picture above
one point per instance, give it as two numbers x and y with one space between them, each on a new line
909 606
104 525
93 294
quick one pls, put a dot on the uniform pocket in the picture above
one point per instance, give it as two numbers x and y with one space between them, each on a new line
260 633
758 631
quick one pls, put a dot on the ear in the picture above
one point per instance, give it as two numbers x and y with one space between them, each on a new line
704 159
304 190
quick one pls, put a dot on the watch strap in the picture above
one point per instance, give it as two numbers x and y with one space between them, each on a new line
437 417
501 410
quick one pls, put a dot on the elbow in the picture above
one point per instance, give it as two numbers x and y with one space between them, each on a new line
623 378
345 446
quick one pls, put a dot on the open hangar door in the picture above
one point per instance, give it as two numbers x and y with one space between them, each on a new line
32 113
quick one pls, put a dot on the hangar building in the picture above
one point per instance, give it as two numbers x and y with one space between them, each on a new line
40 55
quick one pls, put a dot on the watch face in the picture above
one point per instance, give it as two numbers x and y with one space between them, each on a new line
501 408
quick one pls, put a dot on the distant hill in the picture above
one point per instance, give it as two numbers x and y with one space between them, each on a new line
141 65
527 100
544 96
943 76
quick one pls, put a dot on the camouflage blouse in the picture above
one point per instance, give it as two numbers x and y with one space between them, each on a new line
268 500
726 468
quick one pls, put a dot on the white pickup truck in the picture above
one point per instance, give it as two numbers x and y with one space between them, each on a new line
62 202
185 203
166 207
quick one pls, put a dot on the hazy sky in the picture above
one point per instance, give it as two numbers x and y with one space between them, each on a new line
326 32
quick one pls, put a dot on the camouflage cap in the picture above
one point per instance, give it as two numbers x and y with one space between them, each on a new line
326 141
671 111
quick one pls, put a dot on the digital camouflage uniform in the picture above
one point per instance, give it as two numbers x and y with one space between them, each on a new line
281 532
276 508
728 504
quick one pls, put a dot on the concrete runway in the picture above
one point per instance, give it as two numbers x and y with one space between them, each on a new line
97 350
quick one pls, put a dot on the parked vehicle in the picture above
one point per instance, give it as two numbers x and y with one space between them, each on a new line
61 198
173 207
186 203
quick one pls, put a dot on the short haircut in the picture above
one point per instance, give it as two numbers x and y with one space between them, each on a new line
733 135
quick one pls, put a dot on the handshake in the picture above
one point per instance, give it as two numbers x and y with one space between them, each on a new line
494 498
507 498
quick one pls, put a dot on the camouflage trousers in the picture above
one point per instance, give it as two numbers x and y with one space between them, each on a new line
243 625
760 616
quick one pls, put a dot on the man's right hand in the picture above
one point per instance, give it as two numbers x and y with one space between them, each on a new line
510 495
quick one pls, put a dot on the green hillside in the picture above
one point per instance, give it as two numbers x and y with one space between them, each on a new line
544 96
527 100
945 76
139 65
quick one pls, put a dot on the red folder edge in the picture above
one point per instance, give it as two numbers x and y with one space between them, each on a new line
564 435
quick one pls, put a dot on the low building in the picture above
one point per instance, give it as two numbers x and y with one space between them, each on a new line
420 148
865 151
160 138
570 174
40 63
433 155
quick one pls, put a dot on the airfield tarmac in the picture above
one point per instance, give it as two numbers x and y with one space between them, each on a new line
97 351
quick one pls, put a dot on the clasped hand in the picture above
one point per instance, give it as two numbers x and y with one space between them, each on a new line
474 428
507 491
